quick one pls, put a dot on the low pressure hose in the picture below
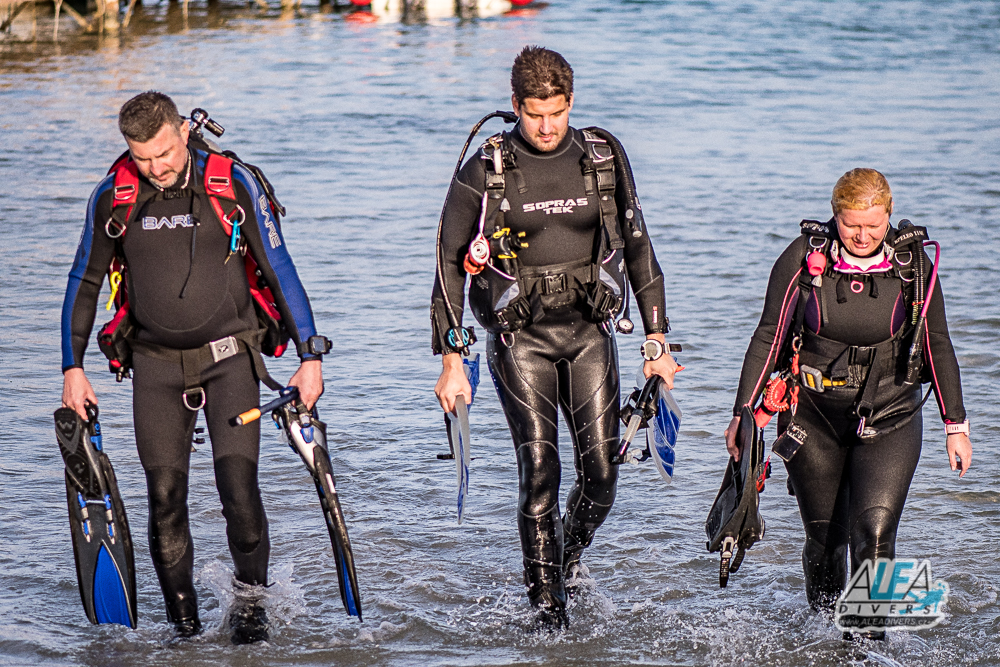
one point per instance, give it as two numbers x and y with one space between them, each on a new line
633 215
508 117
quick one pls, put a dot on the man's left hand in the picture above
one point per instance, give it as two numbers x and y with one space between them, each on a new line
309 381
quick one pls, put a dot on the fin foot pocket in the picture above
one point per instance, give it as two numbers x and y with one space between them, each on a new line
248 622
737 560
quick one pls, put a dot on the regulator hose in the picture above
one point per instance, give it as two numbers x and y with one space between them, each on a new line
508 117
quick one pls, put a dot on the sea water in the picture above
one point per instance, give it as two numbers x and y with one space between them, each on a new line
738 118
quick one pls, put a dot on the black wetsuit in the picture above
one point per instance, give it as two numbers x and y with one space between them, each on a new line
559 360
850 490
182 295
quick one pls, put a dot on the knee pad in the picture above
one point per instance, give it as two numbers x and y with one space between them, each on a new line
236 479
873 535
539 482
169 534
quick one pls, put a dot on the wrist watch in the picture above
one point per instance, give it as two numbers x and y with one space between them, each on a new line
315 345
959 427
651 349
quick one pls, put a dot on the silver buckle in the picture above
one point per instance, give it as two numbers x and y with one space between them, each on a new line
224 348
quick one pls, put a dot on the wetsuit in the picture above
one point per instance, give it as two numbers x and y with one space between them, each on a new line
560 360
851 489
184 294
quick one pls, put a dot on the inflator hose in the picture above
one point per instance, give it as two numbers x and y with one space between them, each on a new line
508 117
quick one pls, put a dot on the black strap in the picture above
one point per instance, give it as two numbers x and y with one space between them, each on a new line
196 360
598 167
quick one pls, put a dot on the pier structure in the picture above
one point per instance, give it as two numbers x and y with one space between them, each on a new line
113 16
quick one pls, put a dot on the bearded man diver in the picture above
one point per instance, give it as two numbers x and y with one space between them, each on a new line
563 227
197 337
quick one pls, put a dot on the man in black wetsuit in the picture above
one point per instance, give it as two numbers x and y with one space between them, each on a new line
186 293
551 343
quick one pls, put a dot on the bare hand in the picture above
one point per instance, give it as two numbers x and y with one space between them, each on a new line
309 381
77 391
452 382
665 366
731 431
959 445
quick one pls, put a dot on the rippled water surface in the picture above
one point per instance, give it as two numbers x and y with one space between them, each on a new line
738 117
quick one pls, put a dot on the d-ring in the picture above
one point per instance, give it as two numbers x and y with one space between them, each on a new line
187 404
232 216
107 228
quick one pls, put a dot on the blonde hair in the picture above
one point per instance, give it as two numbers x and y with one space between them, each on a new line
859 190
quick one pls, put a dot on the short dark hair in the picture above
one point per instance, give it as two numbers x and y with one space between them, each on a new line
143 116
540 73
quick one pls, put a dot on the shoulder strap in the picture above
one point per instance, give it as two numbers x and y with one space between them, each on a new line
908 235
125 199
496 182
598 165
817 228
819 237
218 179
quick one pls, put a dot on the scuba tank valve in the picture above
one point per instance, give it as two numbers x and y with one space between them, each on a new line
200 119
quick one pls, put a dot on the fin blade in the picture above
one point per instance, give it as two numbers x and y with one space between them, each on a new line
111 604
347 578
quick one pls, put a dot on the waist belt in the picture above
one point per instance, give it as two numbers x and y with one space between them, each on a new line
194 361
556 278
813 378
853 366
547 281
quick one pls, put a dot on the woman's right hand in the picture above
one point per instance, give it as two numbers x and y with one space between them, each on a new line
452 382
731 431
959 447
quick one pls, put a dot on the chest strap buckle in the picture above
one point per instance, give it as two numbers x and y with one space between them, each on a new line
554 284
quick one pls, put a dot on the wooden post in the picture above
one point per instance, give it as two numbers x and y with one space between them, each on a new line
75 15
128 14
13 9
111 10
55 25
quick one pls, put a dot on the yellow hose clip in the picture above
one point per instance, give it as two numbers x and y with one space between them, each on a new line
115 279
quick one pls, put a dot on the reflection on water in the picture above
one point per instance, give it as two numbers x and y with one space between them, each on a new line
28 21
398 10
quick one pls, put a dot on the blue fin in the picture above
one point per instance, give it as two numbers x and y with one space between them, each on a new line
345 578
110 602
